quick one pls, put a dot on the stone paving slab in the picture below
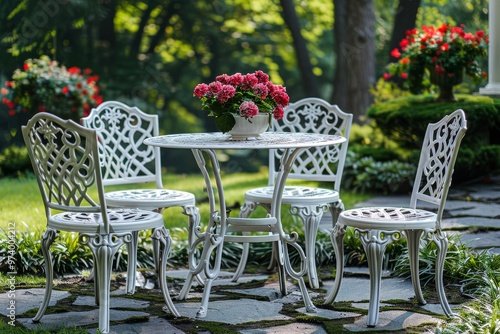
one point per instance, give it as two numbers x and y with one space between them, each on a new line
462 222
152 326
26 300
237 311
356 289
392 321
474 209
57 320
481 241
288 329
115 302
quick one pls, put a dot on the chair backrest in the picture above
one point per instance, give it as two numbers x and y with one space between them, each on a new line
65 160
121 129
437 160
314 115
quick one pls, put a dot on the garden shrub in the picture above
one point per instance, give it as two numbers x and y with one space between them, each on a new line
14 161
380 154
405 120
365 174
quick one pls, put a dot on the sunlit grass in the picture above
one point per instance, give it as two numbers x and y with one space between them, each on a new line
21 204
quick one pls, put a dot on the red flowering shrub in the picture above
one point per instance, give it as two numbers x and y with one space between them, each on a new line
446 50
42 85
244 95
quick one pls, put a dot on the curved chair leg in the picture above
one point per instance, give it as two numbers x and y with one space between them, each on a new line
441 240
413 240
246 210
48 238
104 247
337 237
162 242
311 217
374 243
335 210
132 262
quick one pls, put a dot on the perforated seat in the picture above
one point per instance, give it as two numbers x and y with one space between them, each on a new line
318 164
125 160
65 160
377 227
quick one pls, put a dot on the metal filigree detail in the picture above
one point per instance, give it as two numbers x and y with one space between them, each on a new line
314 116
291 191
63 162
121 130
389 214
149 194
220 141
437 153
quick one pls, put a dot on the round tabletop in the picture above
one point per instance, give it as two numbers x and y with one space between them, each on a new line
267 140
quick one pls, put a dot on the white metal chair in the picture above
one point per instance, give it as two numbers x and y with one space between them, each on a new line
65 160
319 164
125 159
379 226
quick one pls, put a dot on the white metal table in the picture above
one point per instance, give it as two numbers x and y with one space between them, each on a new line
212 239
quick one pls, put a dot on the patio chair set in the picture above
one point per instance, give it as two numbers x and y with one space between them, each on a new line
74 164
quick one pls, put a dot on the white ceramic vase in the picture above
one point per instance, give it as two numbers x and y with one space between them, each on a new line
251 128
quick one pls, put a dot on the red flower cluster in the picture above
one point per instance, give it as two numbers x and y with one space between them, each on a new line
445 49
44 86
244 95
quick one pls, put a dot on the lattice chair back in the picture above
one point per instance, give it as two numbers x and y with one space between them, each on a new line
314 115
437 159
65 161
121 131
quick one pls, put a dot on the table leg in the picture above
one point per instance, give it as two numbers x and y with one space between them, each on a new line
212 238
286 164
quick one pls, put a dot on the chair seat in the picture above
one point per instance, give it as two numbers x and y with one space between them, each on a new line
294 195
388 218
149 198
120 220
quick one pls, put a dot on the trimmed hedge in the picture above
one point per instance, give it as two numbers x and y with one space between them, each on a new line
405 120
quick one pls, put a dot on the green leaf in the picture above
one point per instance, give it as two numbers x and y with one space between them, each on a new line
225 122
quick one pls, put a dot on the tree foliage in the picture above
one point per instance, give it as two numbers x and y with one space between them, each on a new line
153 53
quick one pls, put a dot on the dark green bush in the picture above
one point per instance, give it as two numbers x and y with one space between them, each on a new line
365 174
14 161
405 120
377 153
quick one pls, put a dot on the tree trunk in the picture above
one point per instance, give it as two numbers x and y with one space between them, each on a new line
339 93
166 15
357 55
107 26
304 62
135 45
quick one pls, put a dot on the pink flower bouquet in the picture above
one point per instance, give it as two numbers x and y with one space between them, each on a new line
243 95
